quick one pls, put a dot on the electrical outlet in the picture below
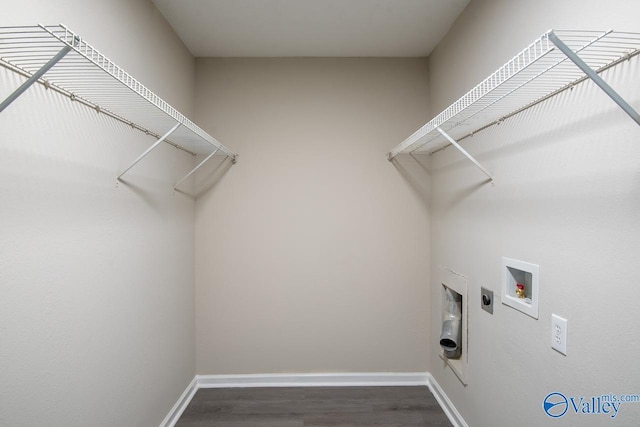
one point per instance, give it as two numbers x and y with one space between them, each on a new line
559 334
486 300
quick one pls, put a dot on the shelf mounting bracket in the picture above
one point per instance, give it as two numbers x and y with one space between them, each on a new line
595 77
35 77
196 168
464 152
148 150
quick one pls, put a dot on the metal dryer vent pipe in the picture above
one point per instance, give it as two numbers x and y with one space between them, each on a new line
450 339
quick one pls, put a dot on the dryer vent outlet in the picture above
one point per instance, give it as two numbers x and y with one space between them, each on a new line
451 337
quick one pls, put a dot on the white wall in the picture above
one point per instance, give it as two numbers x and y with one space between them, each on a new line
312 252
566 197
96 282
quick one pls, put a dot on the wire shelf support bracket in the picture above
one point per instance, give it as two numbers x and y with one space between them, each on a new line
556 61
34 78
149 150
59 59
575 58
465 153
194 169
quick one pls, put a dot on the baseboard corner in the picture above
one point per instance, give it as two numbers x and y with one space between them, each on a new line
445 403
181 404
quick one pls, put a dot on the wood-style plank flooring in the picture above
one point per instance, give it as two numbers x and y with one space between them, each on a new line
314 407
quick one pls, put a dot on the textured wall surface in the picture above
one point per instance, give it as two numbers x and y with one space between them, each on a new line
96 282
312 253
567 197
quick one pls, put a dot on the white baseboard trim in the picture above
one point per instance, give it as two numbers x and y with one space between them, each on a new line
315 380
445 403
369 379
183 401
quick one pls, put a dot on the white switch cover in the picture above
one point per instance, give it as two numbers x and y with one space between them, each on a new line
559 334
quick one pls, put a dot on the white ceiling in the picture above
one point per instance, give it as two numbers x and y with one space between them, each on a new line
329 28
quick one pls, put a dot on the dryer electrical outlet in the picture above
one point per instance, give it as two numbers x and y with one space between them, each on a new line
486 300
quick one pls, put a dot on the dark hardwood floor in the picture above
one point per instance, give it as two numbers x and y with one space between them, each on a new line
314 407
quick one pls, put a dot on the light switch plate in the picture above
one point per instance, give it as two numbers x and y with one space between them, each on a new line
559 334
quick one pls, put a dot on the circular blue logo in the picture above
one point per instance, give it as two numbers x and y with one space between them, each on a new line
555 405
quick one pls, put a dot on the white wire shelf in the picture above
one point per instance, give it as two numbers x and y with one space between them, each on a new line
84 74
540 71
